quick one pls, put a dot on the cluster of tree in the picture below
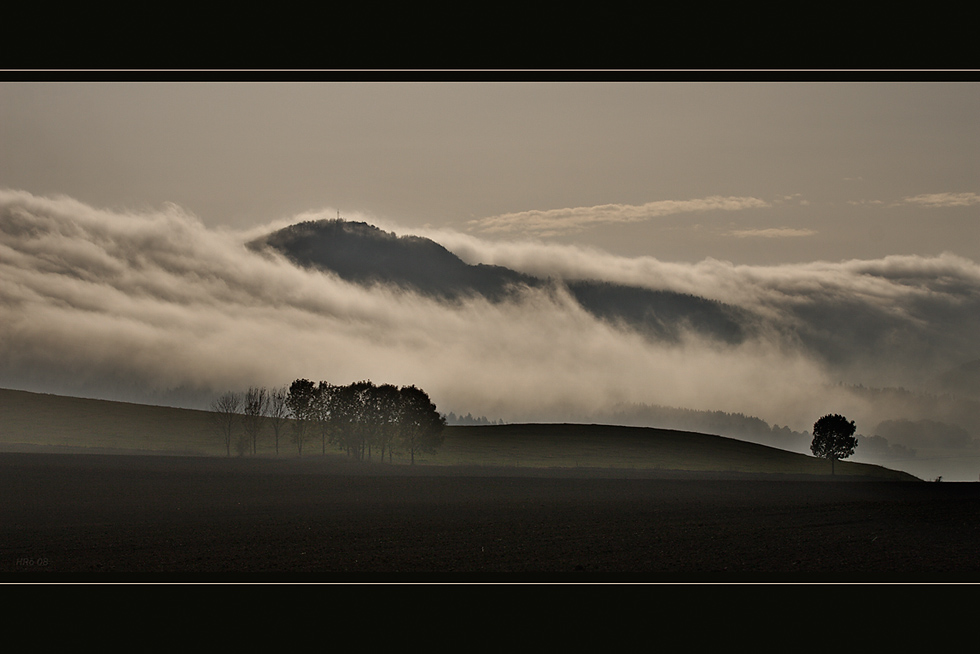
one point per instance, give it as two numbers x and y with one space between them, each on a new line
360 418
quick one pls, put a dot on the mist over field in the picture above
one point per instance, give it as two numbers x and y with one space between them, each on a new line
152 305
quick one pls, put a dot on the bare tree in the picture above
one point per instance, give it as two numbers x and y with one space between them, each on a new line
256 406
278 411
226 416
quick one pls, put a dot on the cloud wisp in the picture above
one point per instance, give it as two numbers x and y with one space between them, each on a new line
934 200
772 232
892 320
552 222
926 200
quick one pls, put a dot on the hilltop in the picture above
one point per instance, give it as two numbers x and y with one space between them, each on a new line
364 254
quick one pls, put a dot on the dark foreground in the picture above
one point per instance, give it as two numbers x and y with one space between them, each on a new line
95 518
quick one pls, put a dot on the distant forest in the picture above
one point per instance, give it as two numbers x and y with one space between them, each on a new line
361 418
468 419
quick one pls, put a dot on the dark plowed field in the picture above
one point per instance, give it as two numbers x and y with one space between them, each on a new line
143 518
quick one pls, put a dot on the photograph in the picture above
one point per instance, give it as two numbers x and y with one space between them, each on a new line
509 327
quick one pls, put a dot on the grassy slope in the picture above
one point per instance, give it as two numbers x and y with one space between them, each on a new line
601 446
40 419
51 420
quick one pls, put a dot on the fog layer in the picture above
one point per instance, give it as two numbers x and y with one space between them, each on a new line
118 304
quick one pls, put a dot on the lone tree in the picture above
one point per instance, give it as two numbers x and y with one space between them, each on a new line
833 438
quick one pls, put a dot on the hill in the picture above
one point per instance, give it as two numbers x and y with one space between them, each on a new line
586 447
363 254
30 421
40 419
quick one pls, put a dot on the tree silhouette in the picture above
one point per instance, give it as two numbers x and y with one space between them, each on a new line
363 421
323 412
226 417
344 417
359 418
388 403
278 411
833 438
256 406
301 401
421 425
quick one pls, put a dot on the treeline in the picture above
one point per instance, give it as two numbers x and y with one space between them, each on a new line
361 418
468 419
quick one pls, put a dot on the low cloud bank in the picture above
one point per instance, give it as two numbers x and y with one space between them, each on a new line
107 303
898 320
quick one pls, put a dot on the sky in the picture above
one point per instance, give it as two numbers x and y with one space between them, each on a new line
752 172
843 215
